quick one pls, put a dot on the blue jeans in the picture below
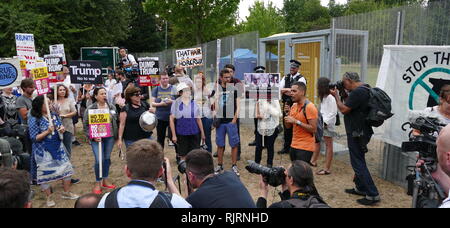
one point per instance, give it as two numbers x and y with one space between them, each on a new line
233 135
128 143
363 179
107 147
207 125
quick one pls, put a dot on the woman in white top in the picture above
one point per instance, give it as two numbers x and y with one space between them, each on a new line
110 82
442 111
329 111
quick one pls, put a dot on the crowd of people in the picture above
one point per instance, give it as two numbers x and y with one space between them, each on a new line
188 110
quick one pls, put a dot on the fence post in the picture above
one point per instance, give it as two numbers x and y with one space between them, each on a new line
333 50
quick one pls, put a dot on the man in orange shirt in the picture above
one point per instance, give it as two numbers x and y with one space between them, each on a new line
303 116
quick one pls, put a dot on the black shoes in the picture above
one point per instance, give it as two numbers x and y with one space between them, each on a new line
367 201
354 192
283 152
76 143
252 143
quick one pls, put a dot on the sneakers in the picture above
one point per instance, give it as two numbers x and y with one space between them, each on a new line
369 201
75 181
355 192
76 143
50 202
218 170
216 155
69 196
235 170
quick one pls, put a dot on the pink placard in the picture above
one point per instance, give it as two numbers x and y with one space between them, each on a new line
42 86
100 131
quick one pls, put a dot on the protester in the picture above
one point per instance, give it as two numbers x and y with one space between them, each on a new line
356 110
127 60
67 110
9 100
129 129
227 115
111 81
49 158
299 190
88 201
185 122
214 191
99 102
83 97
145 160
23 103
285 86
328 109
15 189
303 116
181 77
442 111
258 70
163 97
203 97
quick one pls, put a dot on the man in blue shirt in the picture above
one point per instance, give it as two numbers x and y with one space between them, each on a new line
145 160
214 191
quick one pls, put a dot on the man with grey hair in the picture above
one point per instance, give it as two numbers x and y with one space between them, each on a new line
359 133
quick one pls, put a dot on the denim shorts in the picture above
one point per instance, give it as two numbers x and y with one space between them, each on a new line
233 134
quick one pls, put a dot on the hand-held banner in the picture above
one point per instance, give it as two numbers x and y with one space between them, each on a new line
86 72
10 73
188 58
149 71
99 124
26 49
40 78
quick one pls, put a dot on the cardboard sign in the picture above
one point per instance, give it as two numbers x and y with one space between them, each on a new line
99 124
10 73
262 86
85 72
148 71
54 63
188 58
41 79
58 49
25 48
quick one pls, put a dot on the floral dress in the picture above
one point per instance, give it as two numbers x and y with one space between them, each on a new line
49 159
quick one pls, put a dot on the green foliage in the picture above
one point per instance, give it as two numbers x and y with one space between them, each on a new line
266 20
305 15
196 21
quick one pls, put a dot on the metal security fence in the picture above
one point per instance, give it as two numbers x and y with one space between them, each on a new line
427 24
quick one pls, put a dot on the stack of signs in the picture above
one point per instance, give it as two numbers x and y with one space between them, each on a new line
148 72
40 77
99 124
26 52
55 66
189 58
58 50
85 72
262 86
10 73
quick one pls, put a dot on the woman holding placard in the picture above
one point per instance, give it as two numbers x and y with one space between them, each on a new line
104 145
49 158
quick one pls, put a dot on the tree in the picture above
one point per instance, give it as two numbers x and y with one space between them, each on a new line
305 15
266 20
196 21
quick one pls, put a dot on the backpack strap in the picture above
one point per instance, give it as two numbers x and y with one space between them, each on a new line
162 200
307 102
111 199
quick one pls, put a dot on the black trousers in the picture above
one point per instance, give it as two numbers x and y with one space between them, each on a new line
187 143
302 155
287 137
161 130
269 142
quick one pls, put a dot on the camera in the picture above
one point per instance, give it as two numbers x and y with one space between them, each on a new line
422 187
339 85
273 176
182 166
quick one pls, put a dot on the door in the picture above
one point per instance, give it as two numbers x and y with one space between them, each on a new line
309 55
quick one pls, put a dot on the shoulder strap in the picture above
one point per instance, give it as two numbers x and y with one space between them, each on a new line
111 199
307 102
162 200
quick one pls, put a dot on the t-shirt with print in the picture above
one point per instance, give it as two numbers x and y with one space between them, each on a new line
227 103
160 94
302 139
355 121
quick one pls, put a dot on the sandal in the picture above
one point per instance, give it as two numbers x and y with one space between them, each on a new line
324 172
313 165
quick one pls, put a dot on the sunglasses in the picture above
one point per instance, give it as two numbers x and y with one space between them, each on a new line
137 94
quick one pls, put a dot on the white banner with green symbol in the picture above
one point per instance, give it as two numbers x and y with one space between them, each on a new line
413 76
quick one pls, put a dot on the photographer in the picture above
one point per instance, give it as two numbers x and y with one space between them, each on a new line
127 60
298 189
356 110
214 191
145 160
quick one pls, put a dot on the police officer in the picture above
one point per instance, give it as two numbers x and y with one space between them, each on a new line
285 86
257 70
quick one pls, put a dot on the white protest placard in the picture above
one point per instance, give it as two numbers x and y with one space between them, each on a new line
262 85
413 77
26 49
10 73
58 49
188 58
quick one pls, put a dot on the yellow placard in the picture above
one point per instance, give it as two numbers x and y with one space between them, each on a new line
23 64
99 118
39 73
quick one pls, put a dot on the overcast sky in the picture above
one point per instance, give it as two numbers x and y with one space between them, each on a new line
245 4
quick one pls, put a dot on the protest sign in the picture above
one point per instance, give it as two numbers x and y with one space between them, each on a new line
99 124
10 73
148 71
413 77
54 63
25 48
58 49
188 58
40 77
85 72
260 86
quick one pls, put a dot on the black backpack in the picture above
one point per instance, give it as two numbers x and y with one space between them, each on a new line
320 125
380 107
310 202
162 200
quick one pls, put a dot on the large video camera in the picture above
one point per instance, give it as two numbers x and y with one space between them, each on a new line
273 176
422 187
